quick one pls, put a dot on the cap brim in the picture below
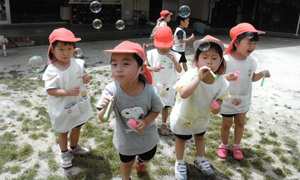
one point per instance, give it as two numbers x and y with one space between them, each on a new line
163 45
197 43
230 46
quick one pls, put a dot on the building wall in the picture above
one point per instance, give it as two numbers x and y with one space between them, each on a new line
199 8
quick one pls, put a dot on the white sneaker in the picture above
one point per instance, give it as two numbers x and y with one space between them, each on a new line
180 171
66 160
204 166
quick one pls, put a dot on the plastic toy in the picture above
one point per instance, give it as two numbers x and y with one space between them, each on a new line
132 123
213 74
214 105
237 73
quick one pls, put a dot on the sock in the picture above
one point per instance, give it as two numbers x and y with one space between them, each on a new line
225 144
64 151
163 123
200 159
180 161
236 144
73 147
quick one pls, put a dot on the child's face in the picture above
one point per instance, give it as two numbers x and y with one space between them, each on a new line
209 58
168 18
63 52
245 47
164 51
124 67
185 23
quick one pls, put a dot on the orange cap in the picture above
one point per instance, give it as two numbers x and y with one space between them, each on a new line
163 13
240 29
61 34
208 38
163 37
131 47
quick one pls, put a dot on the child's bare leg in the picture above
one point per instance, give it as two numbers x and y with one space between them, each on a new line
225 129
165 114
239 121
179 148
200 145
126 169
63 141
74 136
184 67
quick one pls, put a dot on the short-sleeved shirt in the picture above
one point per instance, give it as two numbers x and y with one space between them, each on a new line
179 34
69 111
158 24
165 79
240 91
127 140
192 115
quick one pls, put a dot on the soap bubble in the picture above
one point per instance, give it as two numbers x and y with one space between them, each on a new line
36 64
249 35
8 111
95 6
78 52
120 24
97 23
204 45
184 11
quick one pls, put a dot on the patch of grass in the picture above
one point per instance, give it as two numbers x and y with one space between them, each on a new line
28 174
25 102
258 164
284 160
287 171
25 152
5 94
56 177
53 164
273 134
224 168
269 142
35 136
15 169
279 172
277 151
268 177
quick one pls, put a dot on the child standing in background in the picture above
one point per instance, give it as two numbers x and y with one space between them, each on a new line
197 90
134 100
180 39
69 107
237 56
165 17
163 63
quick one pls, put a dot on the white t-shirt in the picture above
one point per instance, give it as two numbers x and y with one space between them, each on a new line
69 111
158 24
165 79
240 91
179 47
192 115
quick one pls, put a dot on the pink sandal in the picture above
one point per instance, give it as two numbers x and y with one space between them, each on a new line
223 150
237 152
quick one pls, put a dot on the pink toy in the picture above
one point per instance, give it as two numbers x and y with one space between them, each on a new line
214 105
77 86
132 123
237 73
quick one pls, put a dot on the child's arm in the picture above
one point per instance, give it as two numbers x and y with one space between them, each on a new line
104 105
260 75
177 65
189 89
155 69
61 92
218 109
230 77
142 123
86 77
191 38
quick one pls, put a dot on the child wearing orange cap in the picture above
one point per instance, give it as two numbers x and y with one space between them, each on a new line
68 104
197 90
239 59
163 63
135 100
165 17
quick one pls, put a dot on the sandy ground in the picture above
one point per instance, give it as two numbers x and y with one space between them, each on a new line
275 107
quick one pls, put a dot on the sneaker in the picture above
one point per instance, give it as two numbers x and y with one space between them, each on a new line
79 150
180 171
144 46
223 151
204 166
237 152
139 166
66 160
164 130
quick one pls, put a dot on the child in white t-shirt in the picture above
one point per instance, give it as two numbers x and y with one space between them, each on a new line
163 63
68 104
197 90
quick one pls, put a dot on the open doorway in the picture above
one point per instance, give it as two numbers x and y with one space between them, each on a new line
155 6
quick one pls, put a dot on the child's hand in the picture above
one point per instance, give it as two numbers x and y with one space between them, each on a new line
140 126
230 77
216 110
106 101
267 73
202 72
86 78
74 91
192 37
171 57
155 69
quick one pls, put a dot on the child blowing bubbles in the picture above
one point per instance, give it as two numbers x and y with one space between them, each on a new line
197 90
68 105
134 98
237 56
163 63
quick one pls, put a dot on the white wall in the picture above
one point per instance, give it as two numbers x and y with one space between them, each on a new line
128 5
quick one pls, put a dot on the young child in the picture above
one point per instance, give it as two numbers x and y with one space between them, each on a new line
180 39
197 90
163 63
237 56
134 101
68 105
165 17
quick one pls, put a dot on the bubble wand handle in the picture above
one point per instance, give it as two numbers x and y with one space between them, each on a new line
262 82
160 64
213 74
108 109
237 73
214 105
132 123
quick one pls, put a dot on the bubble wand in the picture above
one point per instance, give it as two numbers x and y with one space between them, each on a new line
213 74
108 109
214 105
237 73
160 64
262 82
132 123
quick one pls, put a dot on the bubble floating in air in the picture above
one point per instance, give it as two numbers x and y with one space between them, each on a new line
204 45
184 11
9 111
95 6
97 23
36 64
78 52
120 24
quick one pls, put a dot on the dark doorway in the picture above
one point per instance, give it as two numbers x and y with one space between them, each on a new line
155 7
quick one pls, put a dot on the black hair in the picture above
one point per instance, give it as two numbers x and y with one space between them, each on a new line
219 50
179 19
240 37
54 44
139 60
